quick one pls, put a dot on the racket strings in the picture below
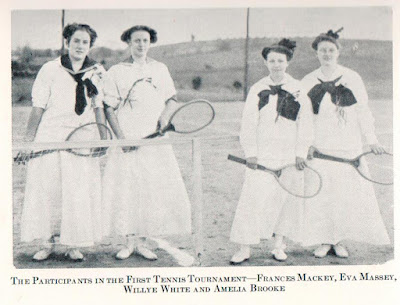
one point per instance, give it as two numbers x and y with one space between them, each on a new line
304 183
192 117
85 134
377 168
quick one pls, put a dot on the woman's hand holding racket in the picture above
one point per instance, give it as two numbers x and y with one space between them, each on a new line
300 163
188 118
191 117
305 183
377 149
375 165
251 162
310 154
84 133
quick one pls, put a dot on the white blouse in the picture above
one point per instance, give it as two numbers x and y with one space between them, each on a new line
266 136
125 77
54 90
138 93
341 128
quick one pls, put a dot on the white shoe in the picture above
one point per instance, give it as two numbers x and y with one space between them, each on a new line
340 251
279 254
42 254
146 253
322 250
239 257
125 252
75 255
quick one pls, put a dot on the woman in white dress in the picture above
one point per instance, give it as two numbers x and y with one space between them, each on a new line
346 208
275 131
63 191
144 194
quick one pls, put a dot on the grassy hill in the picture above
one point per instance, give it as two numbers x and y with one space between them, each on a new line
220 63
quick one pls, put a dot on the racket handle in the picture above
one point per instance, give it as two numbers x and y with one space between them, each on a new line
153 135
319 155
158 133
237 159
243 161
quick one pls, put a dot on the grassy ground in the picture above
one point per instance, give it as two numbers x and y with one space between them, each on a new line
222 181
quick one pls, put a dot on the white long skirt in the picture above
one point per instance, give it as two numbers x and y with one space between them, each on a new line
62 196
144 194
265 208
345 209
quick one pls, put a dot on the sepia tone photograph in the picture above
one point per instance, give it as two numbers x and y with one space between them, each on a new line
202 137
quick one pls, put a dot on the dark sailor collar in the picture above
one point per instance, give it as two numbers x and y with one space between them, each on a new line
88 64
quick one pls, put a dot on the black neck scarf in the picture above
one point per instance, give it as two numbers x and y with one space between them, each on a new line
287 106
80 99
340 95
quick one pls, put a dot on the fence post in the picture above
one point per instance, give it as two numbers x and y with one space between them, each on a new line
198 197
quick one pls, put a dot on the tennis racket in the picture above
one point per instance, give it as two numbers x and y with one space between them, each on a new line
305 183
86 132
193 116
378 168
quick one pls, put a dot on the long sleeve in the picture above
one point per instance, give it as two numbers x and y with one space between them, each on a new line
250 118
365 119
111 93
41 87
168 89
305 130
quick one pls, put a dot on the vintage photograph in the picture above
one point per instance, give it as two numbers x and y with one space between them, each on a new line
202 137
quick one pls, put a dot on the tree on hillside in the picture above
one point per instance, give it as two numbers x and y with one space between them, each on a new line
26 54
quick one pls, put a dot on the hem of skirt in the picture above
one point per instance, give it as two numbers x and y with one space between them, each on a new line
46 242
77 245
42 240
113 235
258 240
330 242
247 243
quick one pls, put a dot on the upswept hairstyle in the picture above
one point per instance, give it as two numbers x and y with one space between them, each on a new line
126 35
330 36
285 46
70 29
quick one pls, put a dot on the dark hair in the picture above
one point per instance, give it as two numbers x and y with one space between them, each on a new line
70 29
285 46
126 35
329 36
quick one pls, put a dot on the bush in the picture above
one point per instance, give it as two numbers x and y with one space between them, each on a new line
196 83
237 85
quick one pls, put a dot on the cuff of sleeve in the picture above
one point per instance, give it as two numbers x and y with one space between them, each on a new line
172 98
302 151
250 152
371 138
98 102
111 101
38 105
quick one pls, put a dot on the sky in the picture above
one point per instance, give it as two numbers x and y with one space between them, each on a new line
41 29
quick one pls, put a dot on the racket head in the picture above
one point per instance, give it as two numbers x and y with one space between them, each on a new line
306 183
376 168
193 116
86 133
